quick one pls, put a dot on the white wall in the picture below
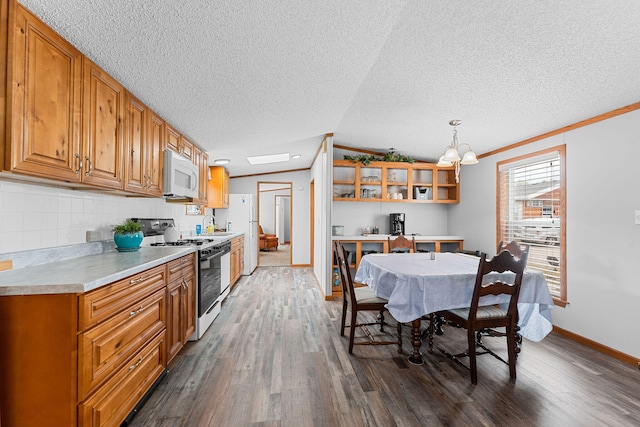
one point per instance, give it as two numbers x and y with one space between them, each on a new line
268 209
424 219
321 175
603 243
35 217
299 201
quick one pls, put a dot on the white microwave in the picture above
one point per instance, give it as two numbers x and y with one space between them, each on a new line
180 177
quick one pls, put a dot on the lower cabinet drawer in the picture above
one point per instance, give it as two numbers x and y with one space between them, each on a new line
112 402
108 346
180 267
100 304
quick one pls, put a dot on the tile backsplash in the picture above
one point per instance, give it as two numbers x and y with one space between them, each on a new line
36 217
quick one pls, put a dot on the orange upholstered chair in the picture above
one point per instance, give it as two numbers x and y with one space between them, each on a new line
267 240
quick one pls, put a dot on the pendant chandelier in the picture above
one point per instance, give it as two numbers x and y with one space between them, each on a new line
456 154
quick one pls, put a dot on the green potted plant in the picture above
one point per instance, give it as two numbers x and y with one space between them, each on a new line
128 236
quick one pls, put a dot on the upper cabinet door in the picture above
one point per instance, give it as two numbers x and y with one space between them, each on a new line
186 148
204 178
218 187
155 155
135 151
103 133
172 138
45 101
144 145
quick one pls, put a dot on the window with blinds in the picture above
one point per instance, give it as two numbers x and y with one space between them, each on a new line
531 210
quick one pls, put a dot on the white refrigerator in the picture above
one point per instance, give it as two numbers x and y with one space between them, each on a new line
243 215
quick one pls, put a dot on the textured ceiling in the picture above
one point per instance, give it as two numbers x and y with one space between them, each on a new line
266 76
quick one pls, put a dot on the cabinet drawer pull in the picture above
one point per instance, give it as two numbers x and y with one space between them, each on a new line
132 367
133 313
138 280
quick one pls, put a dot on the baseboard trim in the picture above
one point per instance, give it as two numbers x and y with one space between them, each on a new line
623 357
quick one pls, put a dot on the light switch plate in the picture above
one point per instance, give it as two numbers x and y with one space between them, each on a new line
637 217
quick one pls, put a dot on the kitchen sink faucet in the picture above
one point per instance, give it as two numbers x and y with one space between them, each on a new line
211 223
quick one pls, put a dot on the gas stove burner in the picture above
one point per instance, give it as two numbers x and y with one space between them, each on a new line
180 243
199 243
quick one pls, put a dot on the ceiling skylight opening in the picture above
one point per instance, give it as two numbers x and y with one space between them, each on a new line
270 158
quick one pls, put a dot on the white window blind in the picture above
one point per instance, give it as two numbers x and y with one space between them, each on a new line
531 211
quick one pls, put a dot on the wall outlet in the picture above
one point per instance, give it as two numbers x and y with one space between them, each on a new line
93 236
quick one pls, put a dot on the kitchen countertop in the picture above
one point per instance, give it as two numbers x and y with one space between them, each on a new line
384 237
86 273
218 236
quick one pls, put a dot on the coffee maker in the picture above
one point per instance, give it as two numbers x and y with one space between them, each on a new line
397 224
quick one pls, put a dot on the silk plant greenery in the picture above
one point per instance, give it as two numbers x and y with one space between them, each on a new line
391 156
127 227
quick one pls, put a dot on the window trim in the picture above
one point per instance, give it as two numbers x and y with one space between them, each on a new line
561 149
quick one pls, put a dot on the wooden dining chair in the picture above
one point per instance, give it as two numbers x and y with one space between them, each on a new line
402 244
477 317
516 249
360 299
513 246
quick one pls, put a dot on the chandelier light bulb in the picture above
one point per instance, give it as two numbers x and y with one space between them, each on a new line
443 163
469 158
451 155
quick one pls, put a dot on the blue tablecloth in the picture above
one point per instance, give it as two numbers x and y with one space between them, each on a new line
416 285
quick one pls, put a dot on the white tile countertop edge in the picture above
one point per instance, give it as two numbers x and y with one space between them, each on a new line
86 273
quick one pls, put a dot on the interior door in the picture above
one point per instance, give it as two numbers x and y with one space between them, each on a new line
268 193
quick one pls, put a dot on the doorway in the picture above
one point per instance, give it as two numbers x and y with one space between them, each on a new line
275 217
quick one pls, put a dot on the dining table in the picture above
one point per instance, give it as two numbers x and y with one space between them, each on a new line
418 284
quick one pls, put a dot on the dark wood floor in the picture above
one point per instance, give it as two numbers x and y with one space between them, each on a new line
275 357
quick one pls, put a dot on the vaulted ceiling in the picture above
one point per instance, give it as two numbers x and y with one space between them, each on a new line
260 77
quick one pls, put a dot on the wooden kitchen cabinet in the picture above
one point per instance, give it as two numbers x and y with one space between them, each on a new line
109 345
112 403
103 128
137 131
218 189
44 108
201 160
5 28
236 258
172 138
185 148
39 360
143 150
65 112
102 303
181 303
178 143
83 359
396 182
154 155
69 121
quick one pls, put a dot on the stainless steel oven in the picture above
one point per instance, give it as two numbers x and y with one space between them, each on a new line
213 272
213 283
